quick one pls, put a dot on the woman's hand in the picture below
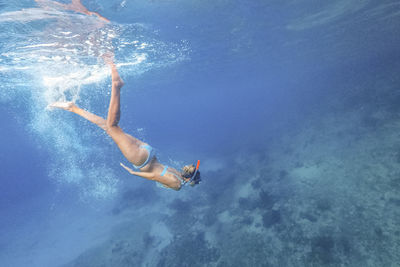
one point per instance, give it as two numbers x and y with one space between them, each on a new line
147 175
126 168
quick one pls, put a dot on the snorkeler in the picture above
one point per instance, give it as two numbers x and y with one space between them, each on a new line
140 154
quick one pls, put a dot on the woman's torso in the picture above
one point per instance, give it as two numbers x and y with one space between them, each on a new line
167 176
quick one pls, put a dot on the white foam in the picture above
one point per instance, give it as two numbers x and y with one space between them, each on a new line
38 45
29 14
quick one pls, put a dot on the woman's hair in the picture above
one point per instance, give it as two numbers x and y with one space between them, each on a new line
188 171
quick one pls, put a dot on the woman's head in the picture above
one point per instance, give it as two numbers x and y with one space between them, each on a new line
187 173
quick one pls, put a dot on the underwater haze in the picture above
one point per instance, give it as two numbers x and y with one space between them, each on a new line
292 107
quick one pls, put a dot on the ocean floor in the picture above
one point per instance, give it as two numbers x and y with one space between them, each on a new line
323 194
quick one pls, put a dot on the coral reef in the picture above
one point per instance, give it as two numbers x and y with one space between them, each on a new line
245 249
190 250
323 195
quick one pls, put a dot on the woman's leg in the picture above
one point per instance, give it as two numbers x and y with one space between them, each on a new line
114 108
129 145
70 106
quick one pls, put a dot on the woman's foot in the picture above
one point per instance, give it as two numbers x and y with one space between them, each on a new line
63 105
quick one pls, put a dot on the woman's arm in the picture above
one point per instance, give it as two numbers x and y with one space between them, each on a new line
146 175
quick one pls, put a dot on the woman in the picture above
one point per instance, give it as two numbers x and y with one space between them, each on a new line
140 154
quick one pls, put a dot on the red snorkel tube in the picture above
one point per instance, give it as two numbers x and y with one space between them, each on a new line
198 165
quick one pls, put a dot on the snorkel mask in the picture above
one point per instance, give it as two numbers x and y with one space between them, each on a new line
194 174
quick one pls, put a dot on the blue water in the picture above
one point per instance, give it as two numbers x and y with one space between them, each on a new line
291 106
